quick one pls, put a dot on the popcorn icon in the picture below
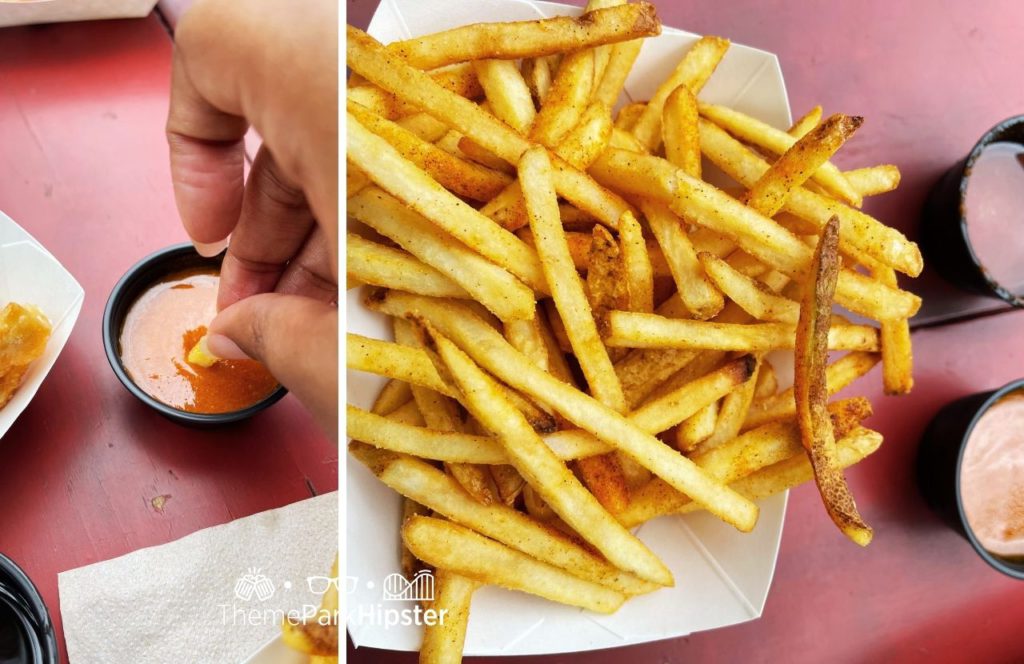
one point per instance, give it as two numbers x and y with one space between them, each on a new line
254 583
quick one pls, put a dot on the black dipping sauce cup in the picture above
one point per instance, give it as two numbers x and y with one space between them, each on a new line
938 465
26 632
943 228
147 272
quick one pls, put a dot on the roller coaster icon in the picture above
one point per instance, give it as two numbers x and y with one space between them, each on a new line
420 588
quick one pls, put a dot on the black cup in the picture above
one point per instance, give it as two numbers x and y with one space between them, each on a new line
939 459
134 283
943 228
26 631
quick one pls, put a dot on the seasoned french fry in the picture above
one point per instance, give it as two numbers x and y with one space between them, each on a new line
740 457
628 116
763 238
503 294
602 54
525 336
441 413
401 363
637 260
564 282
543 470
807 122
777 141
413 366
536 507
838 375
528 39
379 265
603 477
695 289
767 382
507 93
796 470
732 412
355 181
368 58
443 640
393 396
508 480
693 71
679 131
557 364
634 330
466 147
811 391
860 231
538 76
750 294
566 99
897 351
409 563
461 177
452 547
799 162
588 139
403 180
874 179
606 282
420 481
423 125
620 62
490 349
696 428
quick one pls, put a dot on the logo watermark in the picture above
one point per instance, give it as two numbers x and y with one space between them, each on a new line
397 588
254 588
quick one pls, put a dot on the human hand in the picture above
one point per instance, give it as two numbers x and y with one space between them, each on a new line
273 66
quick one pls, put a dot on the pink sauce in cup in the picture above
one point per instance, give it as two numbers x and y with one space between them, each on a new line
992 478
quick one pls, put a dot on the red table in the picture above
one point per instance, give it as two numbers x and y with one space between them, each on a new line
83 167
930 77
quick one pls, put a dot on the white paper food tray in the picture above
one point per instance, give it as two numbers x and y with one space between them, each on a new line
722 576
29 274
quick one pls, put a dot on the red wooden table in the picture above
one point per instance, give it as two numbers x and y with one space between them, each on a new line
930 77
83 167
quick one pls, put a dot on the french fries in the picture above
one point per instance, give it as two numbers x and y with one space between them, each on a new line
497 289
565 285
543 470
443 640
379 265
775 140
507 93
693 71
529 39
811 391
798 163
807 122
448 546
634 330
583 322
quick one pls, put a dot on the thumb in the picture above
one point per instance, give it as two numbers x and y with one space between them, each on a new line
295 337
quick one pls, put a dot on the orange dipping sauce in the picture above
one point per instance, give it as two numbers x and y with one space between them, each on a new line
160 329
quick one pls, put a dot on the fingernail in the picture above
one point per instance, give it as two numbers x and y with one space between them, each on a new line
210 249
225 348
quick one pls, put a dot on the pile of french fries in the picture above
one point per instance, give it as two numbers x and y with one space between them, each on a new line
582 323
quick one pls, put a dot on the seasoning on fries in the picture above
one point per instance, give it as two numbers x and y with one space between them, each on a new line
585 327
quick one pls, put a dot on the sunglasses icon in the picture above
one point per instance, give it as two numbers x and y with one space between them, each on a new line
320 584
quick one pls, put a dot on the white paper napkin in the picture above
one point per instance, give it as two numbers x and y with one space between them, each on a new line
212 597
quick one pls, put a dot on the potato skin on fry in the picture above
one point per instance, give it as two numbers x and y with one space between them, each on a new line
811 389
